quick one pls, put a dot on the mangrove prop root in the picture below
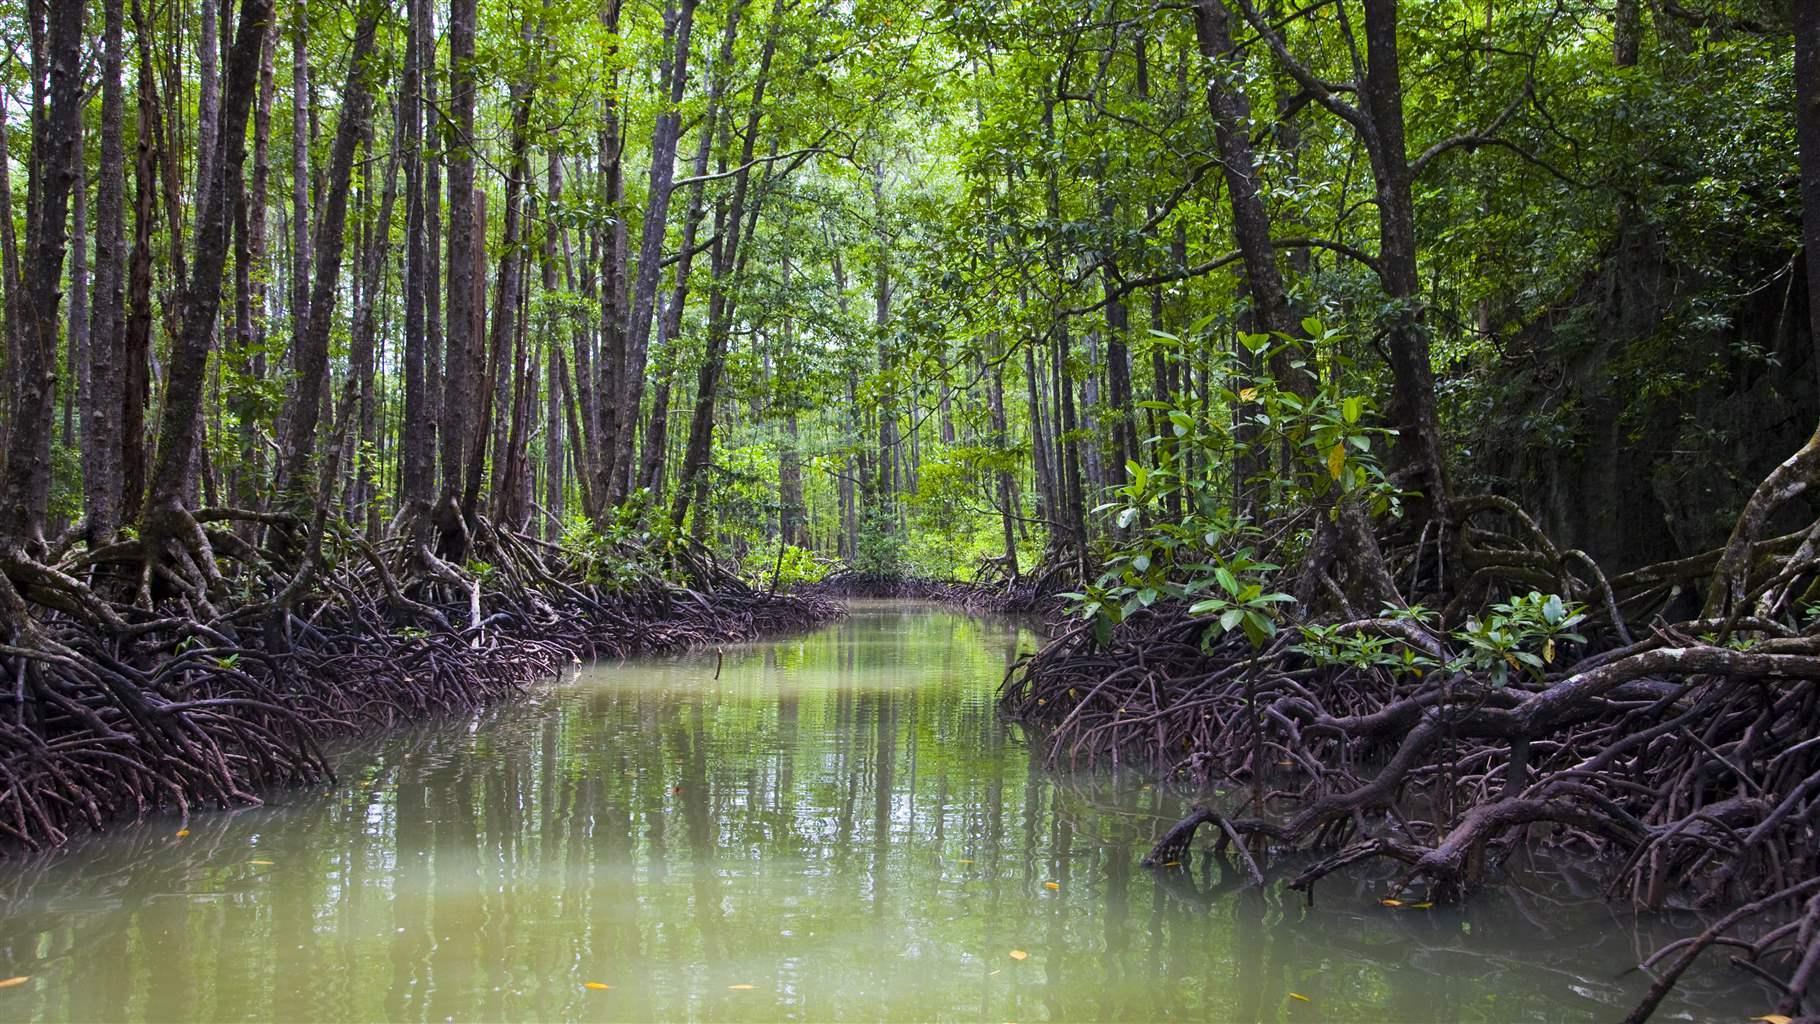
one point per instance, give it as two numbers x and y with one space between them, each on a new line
113 710
1682 760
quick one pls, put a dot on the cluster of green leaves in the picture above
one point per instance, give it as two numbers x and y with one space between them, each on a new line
1316 443
1522 635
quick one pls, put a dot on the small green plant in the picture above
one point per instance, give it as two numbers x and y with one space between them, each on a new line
1519 635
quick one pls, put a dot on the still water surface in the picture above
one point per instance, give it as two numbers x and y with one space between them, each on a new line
838 827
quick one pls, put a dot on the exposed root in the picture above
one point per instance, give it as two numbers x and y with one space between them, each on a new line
181 688
1685 763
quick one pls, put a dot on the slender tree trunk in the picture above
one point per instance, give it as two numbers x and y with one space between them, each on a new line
553 423
456 422
1417 459
136 383
56 147
670 324
101 420
208 93
417 475
75 392
202 301
664 138
312 350
300 168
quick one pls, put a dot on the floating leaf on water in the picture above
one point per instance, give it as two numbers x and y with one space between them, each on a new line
1018 954
1420 906
598 986
1172 864
182 832
965 860
1775 1018
1298 995
1391 903
23 978
1052 886
262 863
740 988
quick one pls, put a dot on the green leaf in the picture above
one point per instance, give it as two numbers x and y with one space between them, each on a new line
1231 618
1228 582
1553 611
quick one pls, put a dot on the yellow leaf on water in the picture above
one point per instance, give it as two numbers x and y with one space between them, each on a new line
1298 995
20 980
1775 1018
1391 903
598 986
740 988
182 832
1173 864
1052 886
1018 954
260 862
966 860
1420 906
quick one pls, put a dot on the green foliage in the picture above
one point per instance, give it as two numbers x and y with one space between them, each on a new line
1519 635
793 566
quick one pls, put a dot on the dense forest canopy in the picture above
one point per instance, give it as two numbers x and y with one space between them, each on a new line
910 285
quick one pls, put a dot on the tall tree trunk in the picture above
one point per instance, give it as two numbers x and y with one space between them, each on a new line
136 384
728 264
417 474
1417 458
312 349
101 420
507 344
300 168
208 93
459 142
56 146
75 391
202 300
651 476
665 135
553 424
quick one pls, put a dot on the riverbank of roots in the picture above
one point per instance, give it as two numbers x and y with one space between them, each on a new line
1681 758
121 698
1016 596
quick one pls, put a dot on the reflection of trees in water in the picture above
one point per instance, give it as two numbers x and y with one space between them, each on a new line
650 824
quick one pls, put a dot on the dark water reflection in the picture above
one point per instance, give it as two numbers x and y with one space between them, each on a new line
840 822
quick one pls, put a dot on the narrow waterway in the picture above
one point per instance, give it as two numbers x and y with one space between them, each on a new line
829 827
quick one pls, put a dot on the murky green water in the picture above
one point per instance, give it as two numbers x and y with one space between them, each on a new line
839 827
